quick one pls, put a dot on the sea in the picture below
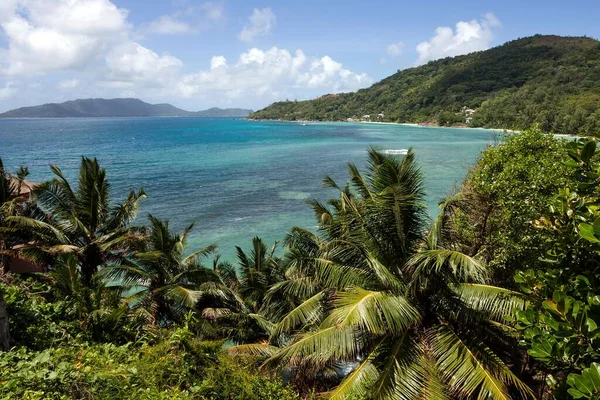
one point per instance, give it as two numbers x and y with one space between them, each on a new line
234 178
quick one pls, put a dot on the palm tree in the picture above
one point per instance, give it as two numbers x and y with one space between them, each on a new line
415 315
166 283
102 312
251 312
80 220
10 204
258 271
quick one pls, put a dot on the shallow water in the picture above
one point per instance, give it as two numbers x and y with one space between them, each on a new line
235 178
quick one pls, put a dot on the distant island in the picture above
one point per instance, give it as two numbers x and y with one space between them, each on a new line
83 108
553 81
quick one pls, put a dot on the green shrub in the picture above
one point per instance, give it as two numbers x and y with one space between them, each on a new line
176 367
514 181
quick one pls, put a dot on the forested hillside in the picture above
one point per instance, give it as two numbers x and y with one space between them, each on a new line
550 80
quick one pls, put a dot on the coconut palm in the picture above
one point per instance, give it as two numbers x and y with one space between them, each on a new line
161 279
80 220
416 317
100 310
258 271
251 312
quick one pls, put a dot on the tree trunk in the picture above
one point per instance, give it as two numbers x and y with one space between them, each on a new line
4 333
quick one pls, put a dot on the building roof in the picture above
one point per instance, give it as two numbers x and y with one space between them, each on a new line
26 186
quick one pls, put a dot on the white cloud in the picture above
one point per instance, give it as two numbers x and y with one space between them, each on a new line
261 23
469 37
52 35
395 49
267 74
191 19
131 61
68 84
218 61
169 25
214 11
84 48
8 90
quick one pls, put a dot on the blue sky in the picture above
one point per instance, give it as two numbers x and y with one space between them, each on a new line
197 54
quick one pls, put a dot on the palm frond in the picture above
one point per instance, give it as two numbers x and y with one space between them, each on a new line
357 383
305 314
448 265
320 347
127 274
375 312
126 212
195 256
296 288
254 349
32 223
401 374
473 370
495 301
180 295
334 275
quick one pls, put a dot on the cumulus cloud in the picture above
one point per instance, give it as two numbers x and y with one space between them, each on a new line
395 49
52 35
86 48
131 61
269 72
469 36
261 23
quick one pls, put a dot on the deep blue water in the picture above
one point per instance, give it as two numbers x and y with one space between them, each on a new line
235 178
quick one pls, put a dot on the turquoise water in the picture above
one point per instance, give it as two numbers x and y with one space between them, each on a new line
235 178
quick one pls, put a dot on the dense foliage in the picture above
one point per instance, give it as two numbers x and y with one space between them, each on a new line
168 365
498 297
550 80
510 186
561 325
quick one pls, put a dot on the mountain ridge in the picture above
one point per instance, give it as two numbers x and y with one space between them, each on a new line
546 79
115 108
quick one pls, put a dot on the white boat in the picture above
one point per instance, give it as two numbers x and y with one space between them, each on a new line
395 152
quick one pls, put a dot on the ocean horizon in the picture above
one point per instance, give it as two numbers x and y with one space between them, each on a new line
234 178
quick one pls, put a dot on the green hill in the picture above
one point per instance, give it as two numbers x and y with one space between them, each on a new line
550 80
115 108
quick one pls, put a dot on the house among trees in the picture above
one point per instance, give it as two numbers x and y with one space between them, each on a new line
22 189
467 111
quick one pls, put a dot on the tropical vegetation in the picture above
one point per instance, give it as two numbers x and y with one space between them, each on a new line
497 297
550 80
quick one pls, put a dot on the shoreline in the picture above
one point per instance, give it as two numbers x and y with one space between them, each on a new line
414 125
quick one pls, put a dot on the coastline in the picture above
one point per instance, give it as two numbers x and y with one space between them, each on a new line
420 125
414 125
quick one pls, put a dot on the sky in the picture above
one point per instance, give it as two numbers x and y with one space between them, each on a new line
197 54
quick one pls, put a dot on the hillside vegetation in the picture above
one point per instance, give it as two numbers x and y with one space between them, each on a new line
550 80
